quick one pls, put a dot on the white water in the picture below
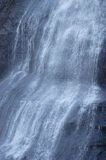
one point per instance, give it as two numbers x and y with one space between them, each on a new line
55 59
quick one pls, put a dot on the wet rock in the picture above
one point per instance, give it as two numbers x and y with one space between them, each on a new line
102 66
10 13
69 128
97 145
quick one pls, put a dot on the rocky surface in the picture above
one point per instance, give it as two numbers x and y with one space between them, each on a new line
10 13
102 66
102 57
97 145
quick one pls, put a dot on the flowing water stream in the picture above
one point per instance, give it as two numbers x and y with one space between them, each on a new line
51 89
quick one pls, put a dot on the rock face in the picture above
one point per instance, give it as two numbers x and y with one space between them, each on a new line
102 66
10 14
97 143
32 100
102 56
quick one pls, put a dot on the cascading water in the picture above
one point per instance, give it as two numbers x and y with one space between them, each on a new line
51 89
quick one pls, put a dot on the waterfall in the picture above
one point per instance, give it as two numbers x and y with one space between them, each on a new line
48 97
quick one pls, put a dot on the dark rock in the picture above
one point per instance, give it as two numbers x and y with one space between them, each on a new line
10 14
101 79
24 158
69 128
